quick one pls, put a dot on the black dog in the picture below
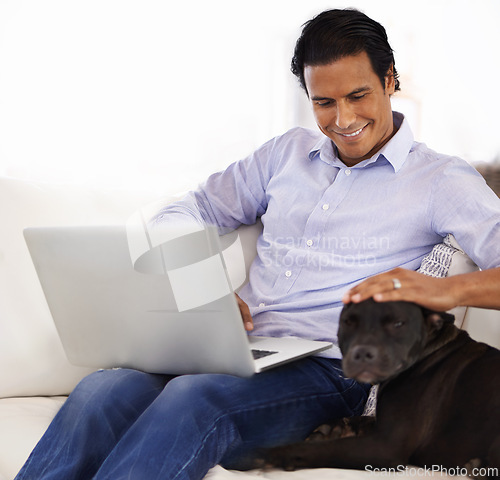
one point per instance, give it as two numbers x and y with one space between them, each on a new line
438 398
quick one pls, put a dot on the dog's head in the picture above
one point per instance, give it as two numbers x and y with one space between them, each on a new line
380 340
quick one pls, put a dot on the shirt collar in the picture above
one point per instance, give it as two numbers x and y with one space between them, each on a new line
395 151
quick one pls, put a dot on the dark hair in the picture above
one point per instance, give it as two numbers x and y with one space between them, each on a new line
334 34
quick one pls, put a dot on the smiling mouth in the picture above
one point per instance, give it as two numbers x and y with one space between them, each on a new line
353 134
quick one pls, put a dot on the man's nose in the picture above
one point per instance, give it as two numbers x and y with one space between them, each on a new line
345 116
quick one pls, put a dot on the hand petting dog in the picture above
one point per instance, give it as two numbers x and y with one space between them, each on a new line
476 289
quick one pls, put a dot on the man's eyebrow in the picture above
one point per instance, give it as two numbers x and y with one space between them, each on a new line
358 90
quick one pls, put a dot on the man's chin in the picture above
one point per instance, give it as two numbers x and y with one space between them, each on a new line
352 156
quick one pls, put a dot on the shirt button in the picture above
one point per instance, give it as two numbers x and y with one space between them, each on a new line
309 243
326 206
262 305
288 273
347 171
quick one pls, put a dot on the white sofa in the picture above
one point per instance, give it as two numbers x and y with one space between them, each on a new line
35 376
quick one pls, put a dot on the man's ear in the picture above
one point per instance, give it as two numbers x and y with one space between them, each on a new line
390 81
438 319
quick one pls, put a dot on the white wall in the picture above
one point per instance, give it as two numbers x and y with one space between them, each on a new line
160 94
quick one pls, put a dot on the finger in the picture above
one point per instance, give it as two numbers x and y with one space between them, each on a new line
383 287
406 285
390 296
429 292
390 290
245 314
367 289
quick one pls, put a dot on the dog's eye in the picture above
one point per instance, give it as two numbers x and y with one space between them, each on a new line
398 324
348 321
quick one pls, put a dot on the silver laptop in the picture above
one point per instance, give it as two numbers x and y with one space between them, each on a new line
179 318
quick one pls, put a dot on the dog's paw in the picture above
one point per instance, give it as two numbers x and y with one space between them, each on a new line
344 429
321 433
333 431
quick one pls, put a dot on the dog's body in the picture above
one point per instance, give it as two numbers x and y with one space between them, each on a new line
438 400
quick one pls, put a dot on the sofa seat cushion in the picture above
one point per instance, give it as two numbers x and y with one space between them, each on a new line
22 422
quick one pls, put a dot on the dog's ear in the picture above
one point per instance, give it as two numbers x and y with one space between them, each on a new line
438 319
347 307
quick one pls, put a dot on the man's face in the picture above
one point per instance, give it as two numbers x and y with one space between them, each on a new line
351 107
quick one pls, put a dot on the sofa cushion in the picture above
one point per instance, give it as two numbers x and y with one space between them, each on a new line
31 357
22 422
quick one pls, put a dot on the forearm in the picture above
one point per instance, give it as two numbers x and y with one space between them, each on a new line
477 289
224 200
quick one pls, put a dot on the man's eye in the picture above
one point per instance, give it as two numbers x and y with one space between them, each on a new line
358 97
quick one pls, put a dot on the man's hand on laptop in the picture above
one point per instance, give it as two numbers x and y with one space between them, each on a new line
245 314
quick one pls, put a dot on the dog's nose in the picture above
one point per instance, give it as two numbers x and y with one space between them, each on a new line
364 353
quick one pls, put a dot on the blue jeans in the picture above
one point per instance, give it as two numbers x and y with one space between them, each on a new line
126 424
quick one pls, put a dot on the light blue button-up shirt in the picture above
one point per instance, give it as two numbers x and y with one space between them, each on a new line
328 226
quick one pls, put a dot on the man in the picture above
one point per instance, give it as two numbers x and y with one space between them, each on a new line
339 208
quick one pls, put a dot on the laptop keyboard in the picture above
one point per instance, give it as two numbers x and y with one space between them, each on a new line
261 353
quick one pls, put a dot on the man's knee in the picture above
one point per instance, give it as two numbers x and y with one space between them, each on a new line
208 397
205 388
112 388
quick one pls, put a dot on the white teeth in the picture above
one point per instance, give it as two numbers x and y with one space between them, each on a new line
357 132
